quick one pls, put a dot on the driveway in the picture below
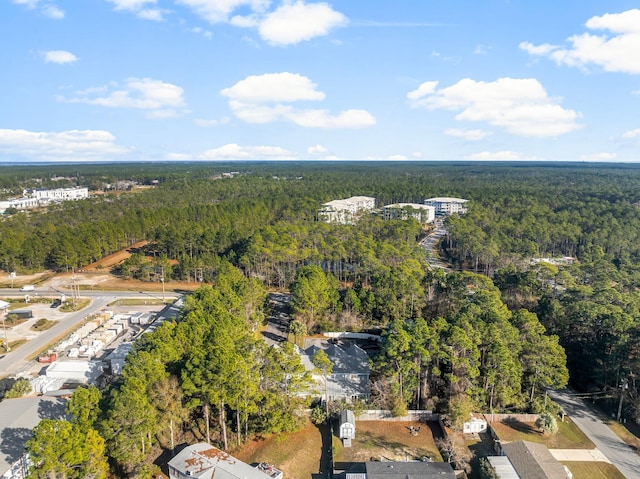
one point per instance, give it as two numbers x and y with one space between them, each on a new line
277 329
617 451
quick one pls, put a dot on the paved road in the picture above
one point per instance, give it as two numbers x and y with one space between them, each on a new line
620 454
430 245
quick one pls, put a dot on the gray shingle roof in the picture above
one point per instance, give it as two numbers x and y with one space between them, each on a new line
409 470
533 461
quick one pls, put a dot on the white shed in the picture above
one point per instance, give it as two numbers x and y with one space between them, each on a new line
474 425
347 427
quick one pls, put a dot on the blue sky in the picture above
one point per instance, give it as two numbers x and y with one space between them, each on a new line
347 79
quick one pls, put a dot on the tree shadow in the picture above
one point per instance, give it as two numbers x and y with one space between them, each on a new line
12 442
325 467
521 426
51 409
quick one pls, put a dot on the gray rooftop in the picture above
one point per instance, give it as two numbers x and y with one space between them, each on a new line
17 419
409 470
349 360
533 461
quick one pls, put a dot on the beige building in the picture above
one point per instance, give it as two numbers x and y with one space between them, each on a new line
447 206
345 211
404 211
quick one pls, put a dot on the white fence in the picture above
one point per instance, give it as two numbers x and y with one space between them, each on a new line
347 335
385 415
511 417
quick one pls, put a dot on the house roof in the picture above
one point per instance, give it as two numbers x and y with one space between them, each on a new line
533 461
17 418
347 416
204 461
409 470
350 360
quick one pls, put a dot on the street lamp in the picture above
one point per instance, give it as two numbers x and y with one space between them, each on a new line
162 281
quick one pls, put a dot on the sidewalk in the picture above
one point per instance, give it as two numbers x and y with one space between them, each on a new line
579 455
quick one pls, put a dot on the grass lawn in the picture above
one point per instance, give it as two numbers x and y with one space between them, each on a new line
388 440
629 433
70 306
567 437
13 345
593 470
298 454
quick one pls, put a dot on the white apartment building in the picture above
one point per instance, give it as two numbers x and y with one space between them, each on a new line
58 194
345 211
447 206
404 211
18 203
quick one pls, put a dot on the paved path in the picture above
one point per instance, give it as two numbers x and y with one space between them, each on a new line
579 455
429 243
277 329
620 454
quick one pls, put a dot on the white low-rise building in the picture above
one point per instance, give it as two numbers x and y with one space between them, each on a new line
404 211
447 206
345 211
57 194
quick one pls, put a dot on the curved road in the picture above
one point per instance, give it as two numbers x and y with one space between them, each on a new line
617 451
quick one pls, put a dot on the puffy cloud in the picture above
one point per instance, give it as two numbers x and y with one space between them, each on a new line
267 98
215 11
471 135
317 150
498 155
631 134
425 89
59 56
163 100
273 87
139 7
296 22
47 8
520 106
235 151
616 51
481 50
65 145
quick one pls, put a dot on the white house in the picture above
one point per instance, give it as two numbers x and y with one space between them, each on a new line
345 211
403 211
57 194
204 461
349 378
447 206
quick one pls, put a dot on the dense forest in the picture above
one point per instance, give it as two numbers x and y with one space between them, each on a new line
492 334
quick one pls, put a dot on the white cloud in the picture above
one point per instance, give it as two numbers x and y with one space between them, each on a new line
471 135
47 8
216 11
163 100
397 157
599 157
154 14
65 145
616 51
426 88
481 50
520 106
317 150
631 134
267 98
296 22
59 56
273 87
498 155
140 8
235 151
208 123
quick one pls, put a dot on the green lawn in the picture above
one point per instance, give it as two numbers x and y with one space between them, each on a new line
567 437
593 470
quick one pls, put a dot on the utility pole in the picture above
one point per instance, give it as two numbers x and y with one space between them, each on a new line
162 281
624 385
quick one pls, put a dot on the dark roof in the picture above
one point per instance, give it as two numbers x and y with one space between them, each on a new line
409 470
533 461
347 416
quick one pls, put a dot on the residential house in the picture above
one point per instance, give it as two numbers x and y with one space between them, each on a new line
204 461
345 211
447 206
402 470
17 419
403 211
532 461
349 378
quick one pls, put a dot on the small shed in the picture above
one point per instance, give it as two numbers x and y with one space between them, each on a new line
474 425
347 427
